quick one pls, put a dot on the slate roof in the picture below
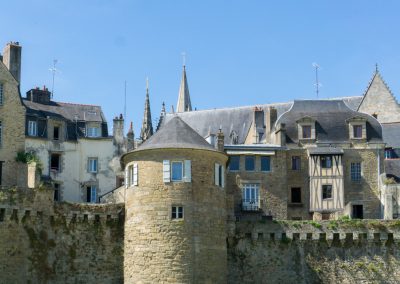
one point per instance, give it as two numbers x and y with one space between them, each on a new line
68 111
325 150
392 168
330 116
176 134
391 134
232 121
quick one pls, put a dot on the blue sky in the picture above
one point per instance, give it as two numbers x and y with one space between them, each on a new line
238 52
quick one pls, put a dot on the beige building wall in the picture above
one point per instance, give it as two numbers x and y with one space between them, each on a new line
12 117
74 176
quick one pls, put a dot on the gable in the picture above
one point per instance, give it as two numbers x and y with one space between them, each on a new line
379 100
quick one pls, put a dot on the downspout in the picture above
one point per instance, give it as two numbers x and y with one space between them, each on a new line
379 184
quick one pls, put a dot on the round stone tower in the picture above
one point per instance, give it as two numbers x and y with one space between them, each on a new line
175 227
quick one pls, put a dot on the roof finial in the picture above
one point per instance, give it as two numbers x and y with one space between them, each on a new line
184 59
376 68
147 83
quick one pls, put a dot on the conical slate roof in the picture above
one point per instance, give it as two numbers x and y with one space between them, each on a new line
176 134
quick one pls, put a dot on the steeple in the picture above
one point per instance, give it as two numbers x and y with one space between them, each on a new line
130 138
184 103
162 117
147 126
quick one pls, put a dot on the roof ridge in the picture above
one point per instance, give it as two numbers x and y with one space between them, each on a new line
67 103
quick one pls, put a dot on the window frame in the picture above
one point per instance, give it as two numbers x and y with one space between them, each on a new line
58 132
356 172
177 212
325 191
357 134
234 157
58 169
324 161
309 131
250 158
95 162
251 196
268 158
91 133
32 128
93 197
296 166
182 171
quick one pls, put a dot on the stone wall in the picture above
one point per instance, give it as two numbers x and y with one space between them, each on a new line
44 242
12 119
347 251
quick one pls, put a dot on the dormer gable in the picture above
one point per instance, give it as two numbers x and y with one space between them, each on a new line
357 126
306 128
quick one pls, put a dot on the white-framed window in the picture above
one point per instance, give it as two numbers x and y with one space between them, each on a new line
219 175
32 128
1 93
133 175
355 171
177 171
93 131
251 197
91 194
92 165
177 212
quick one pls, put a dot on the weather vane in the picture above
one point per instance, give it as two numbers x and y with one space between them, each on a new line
317 84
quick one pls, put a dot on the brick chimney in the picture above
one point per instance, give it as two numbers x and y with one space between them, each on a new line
39 96
271 117
12 59
220 140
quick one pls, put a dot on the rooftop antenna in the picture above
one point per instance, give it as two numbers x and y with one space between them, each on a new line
317 84
125 99
53 70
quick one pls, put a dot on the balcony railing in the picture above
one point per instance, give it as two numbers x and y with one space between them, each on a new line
250 204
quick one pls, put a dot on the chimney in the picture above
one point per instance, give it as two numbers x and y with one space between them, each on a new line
12 59
118 130
39 96
271 117
130 138
220 140
280 134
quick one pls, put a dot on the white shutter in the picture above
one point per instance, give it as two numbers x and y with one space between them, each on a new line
188 171
126 177
166 171
216 174
135 174
223 176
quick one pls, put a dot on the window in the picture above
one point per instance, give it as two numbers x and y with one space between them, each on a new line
265 164
357 131
249 163
1 93
326 191
306 129
250 197
219 175
56 133
326 162
56 192
133 175
357 212
296 194
55 162
92 165
93 132
177 171
296 163
355 172
234 162
390 154
177 212
91 194
32 128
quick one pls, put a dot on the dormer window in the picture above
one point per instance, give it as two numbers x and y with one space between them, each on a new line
306 128
32 128
93 130
357 131
357 128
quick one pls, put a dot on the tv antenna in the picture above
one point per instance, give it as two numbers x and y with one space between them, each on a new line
53 70
317 84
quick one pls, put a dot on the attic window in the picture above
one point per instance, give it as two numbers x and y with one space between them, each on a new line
357 131
306 131
91 112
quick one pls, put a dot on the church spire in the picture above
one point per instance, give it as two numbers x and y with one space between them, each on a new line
184 103
147 126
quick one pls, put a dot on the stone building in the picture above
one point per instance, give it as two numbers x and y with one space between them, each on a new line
12 113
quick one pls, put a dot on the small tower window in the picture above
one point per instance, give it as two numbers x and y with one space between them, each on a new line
177 171
177 212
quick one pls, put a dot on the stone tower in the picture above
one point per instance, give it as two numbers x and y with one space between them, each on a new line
147 126
175 226
184 103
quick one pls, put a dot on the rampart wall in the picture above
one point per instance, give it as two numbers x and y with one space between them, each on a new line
46 242
348 251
